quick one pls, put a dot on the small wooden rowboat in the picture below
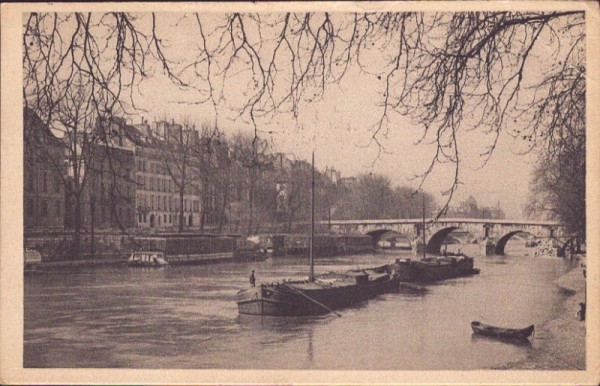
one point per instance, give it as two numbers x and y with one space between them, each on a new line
499 332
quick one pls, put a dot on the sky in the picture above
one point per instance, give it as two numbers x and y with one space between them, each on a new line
339 128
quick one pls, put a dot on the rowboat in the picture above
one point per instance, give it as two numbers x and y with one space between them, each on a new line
504 333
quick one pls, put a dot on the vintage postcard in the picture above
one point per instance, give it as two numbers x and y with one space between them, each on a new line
310 192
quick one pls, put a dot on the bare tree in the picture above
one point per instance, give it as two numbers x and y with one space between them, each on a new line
251 154
298 191
558 185
490 72
210 161
75 69
177 144
518 73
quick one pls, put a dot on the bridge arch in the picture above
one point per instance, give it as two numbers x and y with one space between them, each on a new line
378 233
501 244
435 242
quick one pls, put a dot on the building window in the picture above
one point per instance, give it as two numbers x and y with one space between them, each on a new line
58 208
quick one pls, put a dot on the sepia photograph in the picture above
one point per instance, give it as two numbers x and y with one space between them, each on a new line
251 192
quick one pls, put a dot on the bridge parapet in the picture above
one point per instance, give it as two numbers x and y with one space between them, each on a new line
494 234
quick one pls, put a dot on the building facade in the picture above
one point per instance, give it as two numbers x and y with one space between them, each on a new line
44 175
159 175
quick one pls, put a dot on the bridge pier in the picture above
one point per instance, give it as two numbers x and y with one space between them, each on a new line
418 247
488 247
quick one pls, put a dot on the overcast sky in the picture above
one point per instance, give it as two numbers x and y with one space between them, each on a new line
339 128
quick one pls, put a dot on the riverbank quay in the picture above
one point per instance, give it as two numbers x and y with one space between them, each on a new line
54 251
122 261
325 244
559 344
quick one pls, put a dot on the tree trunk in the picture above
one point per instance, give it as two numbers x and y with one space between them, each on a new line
76 248
290 221
92 219
181 209
221 222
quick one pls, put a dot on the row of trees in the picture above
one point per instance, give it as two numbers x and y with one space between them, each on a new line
248 186
374 197
520 74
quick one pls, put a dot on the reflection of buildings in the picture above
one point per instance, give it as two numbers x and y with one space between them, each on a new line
43 190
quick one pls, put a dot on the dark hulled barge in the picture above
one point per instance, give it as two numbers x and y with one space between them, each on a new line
321 295
431 269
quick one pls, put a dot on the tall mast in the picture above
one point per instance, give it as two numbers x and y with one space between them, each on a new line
311 276
424 245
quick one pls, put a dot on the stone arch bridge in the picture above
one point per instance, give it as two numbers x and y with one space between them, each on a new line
492 233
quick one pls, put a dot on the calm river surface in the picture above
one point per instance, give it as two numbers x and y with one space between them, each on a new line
186 317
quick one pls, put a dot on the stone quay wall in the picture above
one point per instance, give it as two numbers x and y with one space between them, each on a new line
59 246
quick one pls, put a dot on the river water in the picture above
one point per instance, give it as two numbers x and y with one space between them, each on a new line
186 317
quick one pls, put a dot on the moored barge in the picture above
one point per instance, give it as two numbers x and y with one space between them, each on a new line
431 269
321 295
